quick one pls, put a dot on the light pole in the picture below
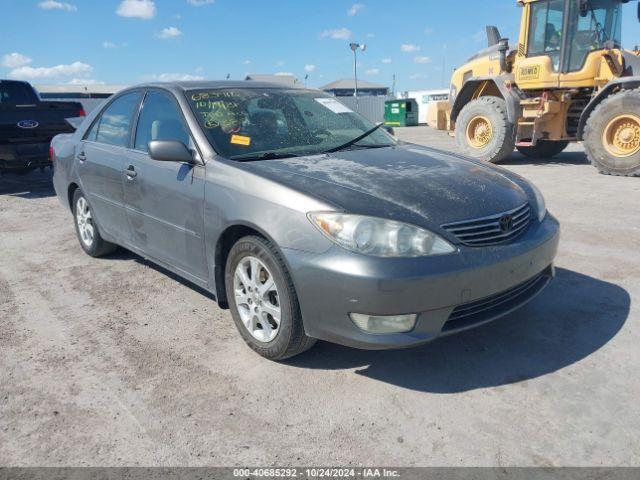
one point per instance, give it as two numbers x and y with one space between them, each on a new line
354 48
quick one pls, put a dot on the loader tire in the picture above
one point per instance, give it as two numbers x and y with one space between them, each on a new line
612 135
483 130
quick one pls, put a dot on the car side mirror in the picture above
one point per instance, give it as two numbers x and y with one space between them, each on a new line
170 151
389 130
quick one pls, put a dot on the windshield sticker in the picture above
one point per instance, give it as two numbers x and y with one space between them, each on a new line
334 105
240 140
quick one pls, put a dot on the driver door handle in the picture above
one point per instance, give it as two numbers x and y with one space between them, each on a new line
82 157
130 172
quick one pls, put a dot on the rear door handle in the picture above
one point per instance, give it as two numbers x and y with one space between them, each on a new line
130 172
82 157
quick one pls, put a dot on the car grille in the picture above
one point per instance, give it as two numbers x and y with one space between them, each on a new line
497 305
492 230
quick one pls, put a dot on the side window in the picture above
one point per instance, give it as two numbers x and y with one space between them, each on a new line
537 27
114 126
545 32
159 119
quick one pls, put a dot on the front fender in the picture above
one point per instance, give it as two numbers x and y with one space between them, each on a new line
502 83
614 86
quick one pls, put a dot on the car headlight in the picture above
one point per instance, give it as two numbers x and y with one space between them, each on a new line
379 237
541 207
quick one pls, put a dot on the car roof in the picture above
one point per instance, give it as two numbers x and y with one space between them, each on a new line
8 80
216 84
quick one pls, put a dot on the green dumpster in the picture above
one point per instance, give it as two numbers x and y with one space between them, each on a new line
401 113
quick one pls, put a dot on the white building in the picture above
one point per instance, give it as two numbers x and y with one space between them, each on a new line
90 96
423 97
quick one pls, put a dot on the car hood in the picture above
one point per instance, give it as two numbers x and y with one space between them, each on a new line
406 183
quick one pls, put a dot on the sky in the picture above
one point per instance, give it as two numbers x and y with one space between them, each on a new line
131 41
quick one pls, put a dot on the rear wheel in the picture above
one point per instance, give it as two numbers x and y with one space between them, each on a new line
86 228
612 134
263 300
543 149
483 130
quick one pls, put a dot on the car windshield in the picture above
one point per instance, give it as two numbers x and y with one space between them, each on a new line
255 124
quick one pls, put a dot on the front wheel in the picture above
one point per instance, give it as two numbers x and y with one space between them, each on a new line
483 130
263 300
612 134
543 149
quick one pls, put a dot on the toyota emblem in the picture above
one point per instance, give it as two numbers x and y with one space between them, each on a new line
506 223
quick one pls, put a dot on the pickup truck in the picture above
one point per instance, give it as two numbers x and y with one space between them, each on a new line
27 125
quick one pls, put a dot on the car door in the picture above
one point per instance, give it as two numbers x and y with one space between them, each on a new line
165 200
100 158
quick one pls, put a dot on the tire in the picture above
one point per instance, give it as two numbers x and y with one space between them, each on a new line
285 340
543 149
501 141
96 246
619 111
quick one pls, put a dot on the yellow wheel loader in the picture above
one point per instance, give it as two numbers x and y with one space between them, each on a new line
568 79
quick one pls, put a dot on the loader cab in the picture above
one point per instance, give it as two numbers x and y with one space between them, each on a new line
557 37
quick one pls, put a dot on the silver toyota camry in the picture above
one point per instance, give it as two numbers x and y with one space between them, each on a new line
303 218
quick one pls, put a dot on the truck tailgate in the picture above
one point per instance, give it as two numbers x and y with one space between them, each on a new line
34 124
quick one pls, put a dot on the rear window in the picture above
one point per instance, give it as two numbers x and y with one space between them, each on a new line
16 93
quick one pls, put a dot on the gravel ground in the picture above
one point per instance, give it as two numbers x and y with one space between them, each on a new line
116 362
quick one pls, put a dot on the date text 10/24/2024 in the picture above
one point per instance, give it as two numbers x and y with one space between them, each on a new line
315 473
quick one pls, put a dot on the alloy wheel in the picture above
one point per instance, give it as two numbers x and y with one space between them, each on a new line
257 299
85 222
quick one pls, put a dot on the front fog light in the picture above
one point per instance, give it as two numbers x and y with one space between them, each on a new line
380 324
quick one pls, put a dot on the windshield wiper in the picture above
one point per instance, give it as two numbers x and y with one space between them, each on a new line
355 140
367 147
250 157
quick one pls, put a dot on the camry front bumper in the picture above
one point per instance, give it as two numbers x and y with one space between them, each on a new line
449 293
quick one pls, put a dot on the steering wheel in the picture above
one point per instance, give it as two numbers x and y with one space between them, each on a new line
593 39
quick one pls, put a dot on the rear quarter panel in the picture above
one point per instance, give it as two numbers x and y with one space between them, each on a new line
64 148
64 153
